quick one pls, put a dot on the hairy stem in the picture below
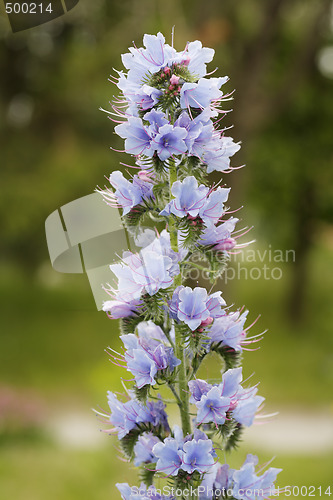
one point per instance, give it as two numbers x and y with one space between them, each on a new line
180 353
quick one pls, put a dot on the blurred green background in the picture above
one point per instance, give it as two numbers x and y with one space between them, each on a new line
55 148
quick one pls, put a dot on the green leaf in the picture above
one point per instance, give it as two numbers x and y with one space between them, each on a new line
142 393
231 358
146 474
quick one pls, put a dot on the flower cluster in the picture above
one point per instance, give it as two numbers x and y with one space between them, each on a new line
168 115
170 104
195 307
220 482
128 194
194 453
148 355
218 403
141 273
127 416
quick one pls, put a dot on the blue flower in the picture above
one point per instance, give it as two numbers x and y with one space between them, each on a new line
220 236
247 406
189 198
218 153
213 209
192 306
213 407
121 308
143 449
229 330
199 131
201 94
155 56
197 57
170 141
198 455
147 354
142 366
198 388
230 384
214 401
247 485
125 416
169 456
136 135
154 273
193 200
146 97
149 271
214 305
128 194
216 478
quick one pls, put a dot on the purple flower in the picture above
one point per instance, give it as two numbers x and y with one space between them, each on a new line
195 306
213 209
143 449
231 380
214 401
169 456
197 389
229 330
150 270
155 272
147 97
147 355
218 153
125 416
150 334
128 287
198 455
247 406
247 485
216 478
142 366
128 194
214 305
137 138
213 407
192 306
170 141
201 94
141 61
220 236
143 97
189 198
199 131
193 200
117 309
198 56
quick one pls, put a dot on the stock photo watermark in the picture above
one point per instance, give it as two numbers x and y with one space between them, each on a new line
82 237
225 493
250 264
24 14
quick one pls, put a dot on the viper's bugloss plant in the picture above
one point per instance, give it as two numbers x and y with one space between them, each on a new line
169 114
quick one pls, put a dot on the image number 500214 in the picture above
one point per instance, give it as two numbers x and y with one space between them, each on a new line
23 14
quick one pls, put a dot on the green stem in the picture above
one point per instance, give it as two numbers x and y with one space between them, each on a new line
180 353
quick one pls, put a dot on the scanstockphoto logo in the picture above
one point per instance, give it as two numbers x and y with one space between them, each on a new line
24 15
